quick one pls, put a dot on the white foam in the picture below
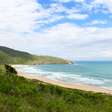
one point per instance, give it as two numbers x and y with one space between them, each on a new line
27 69
61 75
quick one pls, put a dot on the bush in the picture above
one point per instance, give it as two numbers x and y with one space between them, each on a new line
10 69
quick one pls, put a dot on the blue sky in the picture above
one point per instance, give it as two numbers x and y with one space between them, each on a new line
73 29
86 11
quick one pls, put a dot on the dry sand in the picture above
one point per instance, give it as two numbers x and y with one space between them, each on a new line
66 85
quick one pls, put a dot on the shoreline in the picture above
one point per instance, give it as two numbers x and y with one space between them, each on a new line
79 86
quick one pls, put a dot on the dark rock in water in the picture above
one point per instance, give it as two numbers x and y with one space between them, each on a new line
70 62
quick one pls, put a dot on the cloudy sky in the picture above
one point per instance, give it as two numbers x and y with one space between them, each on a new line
73 29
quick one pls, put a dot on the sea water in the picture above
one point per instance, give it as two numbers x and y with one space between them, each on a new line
84 72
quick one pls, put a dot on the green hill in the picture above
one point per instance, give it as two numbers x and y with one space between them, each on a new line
18 94
12 56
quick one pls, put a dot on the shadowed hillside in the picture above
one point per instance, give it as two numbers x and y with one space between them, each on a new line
12 56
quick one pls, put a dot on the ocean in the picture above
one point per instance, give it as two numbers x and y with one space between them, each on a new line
84 72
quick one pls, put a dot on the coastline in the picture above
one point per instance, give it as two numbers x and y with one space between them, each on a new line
79 86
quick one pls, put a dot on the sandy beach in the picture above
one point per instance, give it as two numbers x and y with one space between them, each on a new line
66 85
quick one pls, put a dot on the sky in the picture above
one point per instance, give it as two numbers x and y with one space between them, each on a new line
72 29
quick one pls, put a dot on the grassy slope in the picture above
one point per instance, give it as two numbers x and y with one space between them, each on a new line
11 56
18 94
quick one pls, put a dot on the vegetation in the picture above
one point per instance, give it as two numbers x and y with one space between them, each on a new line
10 70
11 56
18 94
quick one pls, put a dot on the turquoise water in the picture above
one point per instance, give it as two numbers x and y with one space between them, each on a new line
92 73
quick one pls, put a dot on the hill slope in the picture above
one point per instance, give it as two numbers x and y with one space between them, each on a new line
12 56
18 94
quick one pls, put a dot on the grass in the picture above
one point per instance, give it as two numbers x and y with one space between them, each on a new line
11 56
18 94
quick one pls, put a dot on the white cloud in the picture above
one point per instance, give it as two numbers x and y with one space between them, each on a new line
107 3
79 0
95 3
65 1
62 40
18 16
77 16
24 16
107 53
96 22
72 13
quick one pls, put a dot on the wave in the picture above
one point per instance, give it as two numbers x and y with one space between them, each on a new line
62 76
73 78
26 69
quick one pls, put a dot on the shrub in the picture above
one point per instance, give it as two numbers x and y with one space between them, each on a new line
10 69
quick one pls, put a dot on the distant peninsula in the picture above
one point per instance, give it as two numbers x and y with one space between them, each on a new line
11 56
